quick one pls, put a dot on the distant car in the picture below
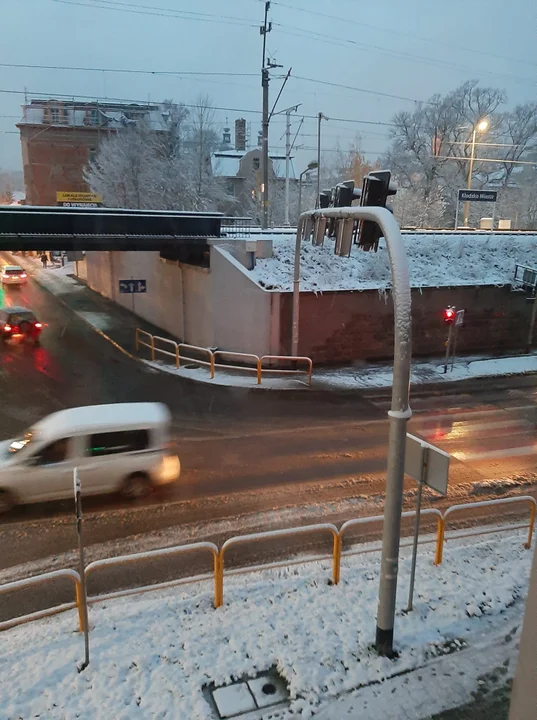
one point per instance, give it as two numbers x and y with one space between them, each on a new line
13 275
19 323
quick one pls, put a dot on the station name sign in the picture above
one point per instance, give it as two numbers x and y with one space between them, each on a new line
478 195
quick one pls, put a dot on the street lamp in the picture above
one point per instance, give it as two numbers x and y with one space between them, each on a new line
320 117
481 126
400 412
311 166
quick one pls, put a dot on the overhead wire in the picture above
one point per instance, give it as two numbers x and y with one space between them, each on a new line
400 33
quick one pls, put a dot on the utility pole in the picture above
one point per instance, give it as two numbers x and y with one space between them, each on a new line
263 30
288 148
320 118
287 154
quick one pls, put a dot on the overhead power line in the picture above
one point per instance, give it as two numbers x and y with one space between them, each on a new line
92 98
126 70
160 12
399 33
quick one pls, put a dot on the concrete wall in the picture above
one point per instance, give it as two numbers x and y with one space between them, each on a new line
217 307
342 326
160 305
246 317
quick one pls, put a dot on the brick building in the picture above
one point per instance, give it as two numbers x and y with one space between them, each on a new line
59 138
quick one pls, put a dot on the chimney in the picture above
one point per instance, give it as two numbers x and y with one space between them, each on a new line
240 134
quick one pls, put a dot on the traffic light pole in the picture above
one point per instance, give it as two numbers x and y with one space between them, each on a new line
400 412
448 347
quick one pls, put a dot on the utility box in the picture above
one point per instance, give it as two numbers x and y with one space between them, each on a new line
485 224
504 224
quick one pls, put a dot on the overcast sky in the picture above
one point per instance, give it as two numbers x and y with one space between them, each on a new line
406 48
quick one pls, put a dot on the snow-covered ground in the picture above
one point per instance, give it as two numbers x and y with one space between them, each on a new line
429 371
434 261
357 376
151 655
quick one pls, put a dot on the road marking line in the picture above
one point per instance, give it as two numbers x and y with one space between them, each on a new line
428 432
490 454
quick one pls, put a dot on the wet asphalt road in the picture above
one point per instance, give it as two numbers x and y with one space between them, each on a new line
242 451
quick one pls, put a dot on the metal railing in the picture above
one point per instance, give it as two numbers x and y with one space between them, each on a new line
450 511
41 580
289 359
274 535
218 555
138 339
247 357
160 552
216 359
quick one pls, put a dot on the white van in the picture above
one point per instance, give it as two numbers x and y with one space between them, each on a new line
123 447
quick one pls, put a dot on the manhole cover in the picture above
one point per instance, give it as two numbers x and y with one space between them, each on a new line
249 698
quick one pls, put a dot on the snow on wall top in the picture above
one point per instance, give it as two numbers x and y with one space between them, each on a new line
434 261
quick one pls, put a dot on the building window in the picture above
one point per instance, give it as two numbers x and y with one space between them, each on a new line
256 163
92 154
54 115
95 117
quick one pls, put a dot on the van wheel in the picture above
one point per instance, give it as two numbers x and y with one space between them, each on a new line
136 486
6 501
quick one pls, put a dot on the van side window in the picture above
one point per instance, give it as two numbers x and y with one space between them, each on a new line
111 443
56 452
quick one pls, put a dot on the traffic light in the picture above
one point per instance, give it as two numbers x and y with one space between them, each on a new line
375 191
449 314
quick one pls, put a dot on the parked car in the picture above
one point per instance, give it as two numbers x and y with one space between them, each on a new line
123 447
13 275
19 323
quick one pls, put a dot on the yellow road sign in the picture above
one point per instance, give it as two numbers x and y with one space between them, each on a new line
78 197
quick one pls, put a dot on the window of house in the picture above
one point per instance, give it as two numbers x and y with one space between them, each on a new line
95 119
54 115
256 163
92 154
111 443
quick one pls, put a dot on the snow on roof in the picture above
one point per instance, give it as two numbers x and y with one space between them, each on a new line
441 260
79 419
226 164
115 116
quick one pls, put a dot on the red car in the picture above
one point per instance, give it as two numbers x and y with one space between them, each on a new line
18 322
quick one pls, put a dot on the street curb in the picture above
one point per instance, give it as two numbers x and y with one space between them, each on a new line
363 392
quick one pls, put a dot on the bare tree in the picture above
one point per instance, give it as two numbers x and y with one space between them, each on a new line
158 166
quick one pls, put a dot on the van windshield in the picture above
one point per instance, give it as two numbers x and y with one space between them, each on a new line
21 442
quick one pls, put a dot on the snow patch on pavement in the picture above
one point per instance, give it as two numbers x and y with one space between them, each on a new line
434 261
151 655
99 320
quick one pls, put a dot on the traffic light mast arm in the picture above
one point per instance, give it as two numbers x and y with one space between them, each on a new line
400 410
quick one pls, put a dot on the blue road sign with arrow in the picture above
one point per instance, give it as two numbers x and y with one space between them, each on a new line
132 286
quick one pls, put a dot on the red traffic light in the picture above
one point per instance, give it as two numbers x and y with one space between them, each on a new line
449 315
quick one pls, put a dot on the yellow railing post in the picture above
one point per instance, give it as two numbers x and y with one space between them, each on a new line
258 371
440 533
152 348
219 579
531 526
80 607
211 357
336 568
